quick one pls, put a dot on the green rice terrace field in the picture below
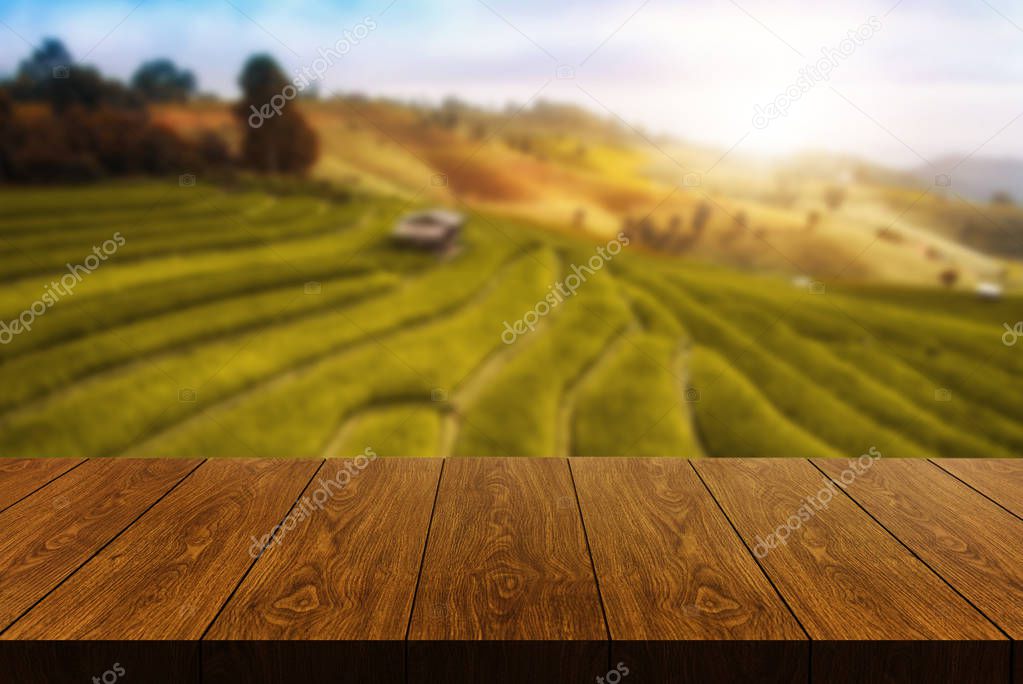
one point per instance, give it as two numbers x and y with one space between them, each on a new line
243 324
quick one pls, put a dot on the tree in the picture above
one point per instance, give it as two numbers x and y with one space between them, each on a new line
277 138
6 110
675 224
126 142
629 228
49 62
701 216
86 87
95 128
39 149
49 75
450 113
1001 197
834 197
159 80
213 150
813 219
6 115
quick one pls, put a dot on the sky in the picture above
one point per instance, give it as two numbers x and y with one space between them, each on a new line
908 83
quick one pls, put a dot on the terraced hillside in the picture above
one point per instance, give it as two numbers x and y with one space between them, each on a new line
561 164
232 324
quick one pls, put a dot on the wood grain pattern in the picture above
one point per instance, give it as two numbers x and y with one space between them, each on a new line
672 570
507 561
973 544
21 476
346 573
473 570
997 478
849 582
507 555
54 531
169 574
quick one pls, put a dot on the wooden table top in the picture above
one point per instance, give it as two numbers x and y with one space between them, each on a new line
498 569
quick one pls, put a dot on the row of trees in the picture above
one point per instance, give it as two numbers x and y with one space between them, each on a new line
673 238
90 127
50 75
88 143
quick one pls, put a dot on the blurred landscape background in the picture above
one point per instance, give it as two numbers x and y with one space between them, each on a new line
803 240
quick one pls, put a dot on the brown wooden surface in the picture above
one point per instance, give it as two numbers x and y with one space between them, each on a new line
849 581
507 561
972 543
347 572
50 535
473 570
19 477
997 478
507 557
672 569
169 574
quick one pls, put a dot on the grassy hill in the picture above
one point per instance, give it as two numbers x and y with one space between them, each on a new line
245 323
566 168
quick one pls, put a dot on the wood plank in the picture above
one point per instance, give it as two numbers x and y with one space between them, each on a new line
507 567
19 477
1000 479
975 545
506 592
865 600
684 597
54 531
343 577
169 573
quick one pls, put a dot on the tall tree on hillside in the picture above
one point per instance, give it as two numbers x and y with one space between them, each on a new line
50 62
277 138
701 217
5 109
6 115
159 80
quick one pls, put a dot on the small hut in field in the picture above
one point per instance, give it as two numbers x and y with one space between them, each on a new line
436 230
